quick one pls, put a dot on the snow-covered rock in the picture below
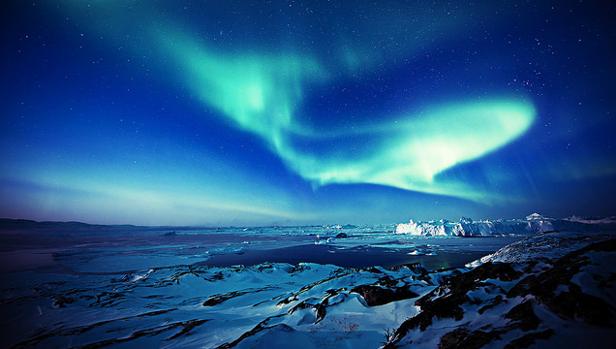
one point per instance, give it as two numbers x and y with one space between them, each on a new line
542 246
533 301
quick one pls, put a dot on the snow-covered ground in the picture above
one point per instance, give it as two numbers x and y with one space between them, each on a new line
553 289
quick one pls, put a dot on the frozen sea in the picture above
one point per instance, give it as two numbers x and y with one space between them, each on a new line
116 249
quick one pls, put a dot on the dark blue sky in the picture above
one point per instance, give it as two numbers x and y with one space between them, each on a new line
286 112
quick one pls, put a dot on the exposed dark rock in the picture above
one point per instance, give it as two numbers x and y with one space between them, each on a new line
320 307
373 270
524 316
378 295
578 305
341 235
263 325
338 274
287 300
388 282
500 271
185 328
263 266
106 299
298 268
572 303
219 298
491 304
446 300
417 268
462 338
190 270
61 301
300 305
216 276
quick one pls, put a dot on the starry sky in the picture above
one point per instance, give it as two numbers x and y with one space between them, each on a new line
289 112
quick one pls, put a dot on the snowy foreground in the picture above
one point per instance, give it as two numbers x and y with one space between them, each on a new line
549 290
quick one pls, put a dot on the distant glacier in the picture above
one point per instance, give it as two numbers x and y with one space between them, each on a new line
533 223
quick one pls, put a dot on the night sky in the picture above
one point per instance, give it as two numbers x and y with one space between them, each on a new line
286 112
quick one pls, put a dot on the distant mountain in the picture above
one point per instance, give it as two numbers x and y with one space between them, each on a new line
16 225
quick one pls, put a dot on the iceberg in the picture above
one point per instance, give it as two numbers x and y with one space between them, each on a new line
533 223
432 228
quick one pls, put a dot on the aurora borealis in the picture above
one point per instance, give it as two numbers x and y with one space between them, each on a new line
285 112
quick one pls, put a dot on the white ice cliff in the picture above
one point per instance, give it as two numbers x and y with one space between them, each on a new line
533 223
